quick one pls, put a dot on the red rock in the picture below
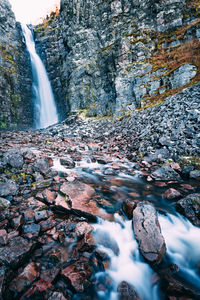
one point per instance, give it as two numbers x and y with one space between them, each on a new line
50 274
187 187
12 234
39 290
126 292
49 196
83 228
29 274
87 243
171 194
175 166
29 216
127 207
3 237
47 224
160 184
61 201
17 222
78 274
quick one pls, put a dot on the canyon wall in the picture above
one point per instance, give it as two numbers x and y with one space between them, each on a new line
112 57
15 73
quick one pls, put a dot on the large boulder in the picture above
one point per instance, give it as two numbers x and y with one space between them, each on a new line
148 233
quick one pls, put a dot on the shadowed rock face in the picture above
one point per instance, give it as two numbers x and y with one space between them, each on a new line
15 73
110 57
147 232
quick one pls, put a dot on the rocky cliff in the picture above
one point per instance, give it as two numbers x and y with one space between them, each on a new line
15 73
112 57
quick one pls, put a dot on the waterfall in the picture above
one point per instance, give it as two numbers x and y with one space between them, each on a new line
44 103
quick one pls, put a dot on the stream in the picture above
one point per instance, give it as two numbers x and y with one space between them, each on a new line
115 238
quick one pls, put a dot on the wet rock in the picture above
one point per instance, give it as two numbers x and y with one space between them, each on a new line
28 275
57 296
43 184
190 208
165 173
126 292
78 274
128 207
50 274
4 204
148 233
195 174
39 290
8 188
80 196
67 162
172 194
16 252
83 228
3 237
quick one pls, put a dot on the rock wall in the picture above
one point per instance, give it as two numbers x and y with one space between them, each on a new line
15 73
111 57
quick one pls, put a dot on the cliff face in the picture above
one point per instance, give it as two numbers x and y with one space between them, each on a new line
15 73
111 57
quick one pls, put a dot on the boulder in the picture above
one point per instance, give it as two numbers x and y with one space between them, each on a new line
8 188
148 233
165 173
171 194
190 208
126 292
24 279
15 252
13 158
78 274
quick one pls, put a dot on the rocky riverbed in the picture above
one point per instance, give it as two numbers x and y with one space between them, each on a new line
68 193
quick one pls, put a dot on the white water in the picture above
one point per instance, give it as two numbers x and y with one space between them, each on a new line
127 264
182 240
45 108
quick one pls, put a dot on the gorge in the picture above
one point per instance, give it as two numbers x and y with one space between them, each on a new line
100 152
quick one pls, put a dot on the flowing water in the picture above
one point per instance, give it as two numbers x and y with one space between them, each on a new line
44 104
116 238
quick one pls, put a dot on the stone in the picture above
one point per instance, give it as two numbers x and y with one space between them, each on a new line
4 204
126 292
24 279
190 207
13 158
8 188
57 296
40 215
78 274
49 196
195 174
148 233
41 165
165 173
17 222
128 207
171 194
3 237
34 229
40 289
16 252
67 162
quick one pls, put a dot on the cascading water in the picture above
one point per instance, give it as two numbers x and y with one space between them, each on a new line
116 240
44 103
